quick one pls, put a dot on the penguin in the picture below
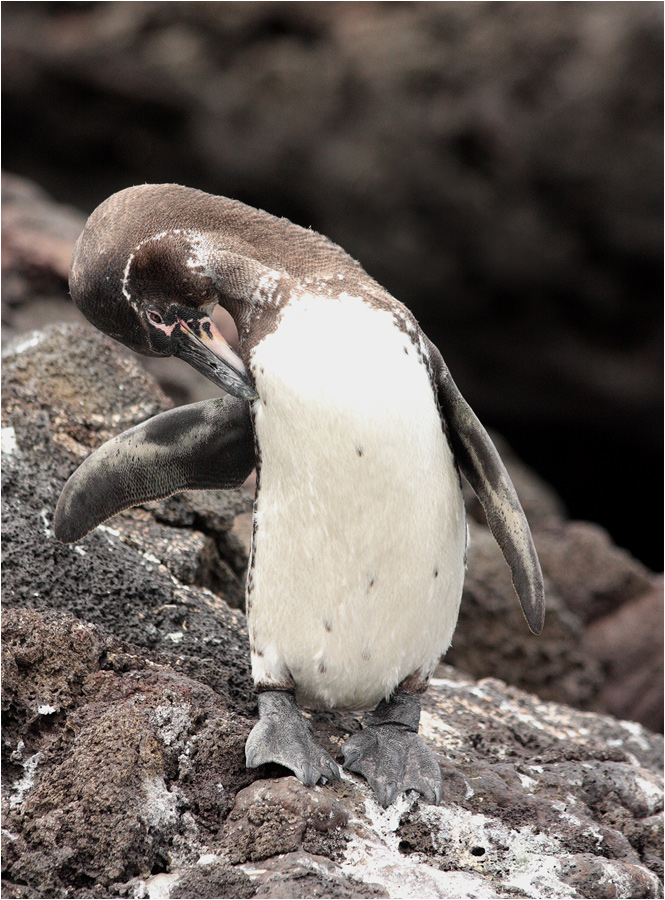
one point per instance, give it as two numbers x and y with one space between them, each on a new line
358 434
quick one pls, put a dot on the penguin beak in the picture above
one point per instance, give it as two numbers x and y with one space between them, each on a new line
203 347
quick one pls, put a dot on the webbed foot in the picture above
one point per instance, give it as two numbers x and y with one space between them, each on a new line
283 736
390 753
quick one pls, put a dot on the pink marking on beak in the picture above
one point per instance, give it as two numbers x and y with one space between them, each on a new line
210 336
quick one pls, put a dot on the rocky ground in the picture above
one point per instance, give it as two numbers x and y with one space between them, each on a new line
127 696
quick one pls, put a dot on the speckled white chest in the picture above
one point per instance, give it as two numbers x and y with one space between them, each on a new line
359 539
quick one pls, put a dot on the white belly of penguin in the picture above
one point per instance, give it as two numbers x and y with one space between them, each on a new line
359 537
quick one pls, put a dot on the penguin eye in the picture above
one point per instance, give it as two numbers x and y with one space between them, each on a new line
155 317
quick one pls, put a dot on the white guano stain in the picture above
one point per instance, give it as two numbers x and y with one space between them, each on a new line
21 787
9 443
32 340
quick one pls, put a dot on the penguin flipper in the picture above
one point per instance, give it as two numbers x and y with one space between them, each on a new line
481 465
202 446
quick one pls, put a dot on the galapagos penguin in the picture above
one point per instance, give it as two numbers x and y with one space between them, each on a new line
358 434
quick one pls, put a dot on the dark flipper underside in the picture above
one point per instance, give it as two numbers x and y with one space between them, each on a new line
207 445
481 465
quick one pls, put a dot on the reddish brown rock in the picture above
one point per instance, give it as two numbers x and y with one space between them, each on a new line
592 574
281 815
629 645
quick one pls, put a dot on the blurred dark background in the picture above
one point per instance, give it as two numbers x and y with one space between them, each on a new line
497 166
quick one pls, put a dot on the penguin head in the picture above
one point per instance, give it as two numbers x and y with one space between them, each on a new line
139 274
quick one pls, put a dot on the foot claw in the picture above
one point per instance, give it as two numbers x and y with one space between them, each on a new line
307 775
332 773
350 757
387 793
335 774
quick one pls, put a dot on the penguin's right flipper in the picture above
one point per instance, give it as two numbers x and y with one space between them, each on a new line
481 465
207 445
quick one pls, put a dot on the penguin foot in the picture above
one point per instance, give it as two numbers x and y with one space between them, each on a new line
283 736
391 755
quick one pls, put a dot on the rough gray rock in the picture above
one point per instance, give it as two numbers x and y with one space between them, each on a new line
127 701
628 644
620 604
491 639
595 576
110 778
604 644
130 777
112 578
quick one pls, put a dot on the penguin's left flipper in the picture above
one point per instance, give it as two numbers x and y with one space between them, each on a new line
481 465
207 445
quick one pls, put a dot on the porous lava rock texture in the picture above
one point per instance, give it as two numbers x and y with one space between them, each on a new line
127 700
